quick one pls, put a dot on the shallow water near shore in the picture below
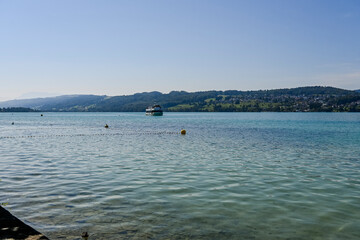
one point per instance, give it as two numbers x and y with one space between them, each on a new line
232 176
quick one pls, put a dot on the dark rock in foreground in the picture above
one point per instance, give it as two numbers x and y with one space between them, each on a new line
12 228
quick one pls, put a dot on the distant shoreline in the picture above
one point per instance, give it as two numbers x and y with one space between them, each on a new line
17 109
302 99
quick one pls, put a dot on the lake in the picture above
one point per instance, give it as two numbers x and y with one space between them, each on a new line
232 176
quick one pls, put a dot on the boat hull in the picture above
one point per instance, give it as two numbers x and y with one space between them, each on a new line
154 113
155 110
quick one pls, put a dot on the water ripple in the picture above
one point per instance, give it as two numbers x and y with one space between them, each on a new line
233 176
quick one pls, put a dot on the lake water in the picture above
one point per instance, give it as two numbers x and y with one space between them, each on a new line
232 176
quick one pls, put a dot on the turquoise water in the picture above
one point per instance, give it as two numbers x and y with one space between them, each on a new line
232 176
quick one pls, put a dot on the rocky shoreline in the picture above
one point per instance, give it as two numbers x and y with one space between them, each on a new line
13 228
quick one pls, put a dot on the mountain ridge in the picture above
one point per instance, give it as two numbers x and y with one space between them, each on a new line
310 98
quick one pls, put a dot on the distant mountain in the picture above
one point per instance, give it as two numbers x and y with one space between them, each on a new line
278 100
37 95
60 103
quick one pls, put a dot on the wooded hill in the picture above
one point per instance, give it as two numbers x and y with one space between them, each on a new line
304 99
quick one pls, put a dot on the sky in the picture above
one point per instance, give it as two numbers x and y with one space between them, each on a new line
121 47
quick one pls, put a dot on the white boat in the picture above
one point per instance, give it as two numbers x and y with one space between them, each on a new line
154 111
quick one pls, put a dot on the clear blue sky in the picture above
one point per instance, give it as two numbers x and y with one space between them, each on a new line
123 47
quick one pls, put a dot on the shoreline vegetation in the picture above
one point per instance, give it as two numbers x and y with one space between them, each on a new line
301 99
17 109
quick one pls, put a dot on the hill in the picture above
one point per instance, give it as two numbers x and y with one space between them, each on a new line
60 103
279 100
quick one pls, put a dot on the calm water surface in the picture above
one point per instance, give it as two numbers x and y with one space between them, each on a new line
233 176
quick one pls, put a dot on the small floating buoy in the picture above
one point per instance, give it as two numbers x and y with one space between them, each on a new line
41 115
85 235
12 123
106 126
183 132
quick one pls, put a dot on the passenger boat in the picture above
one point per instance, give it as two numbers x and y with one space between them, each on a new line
154 111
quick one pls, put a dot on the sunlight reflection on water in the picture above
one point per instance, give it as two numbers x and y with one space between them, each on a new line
233 176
